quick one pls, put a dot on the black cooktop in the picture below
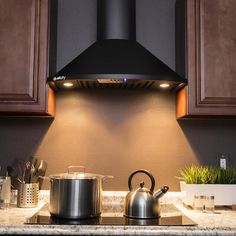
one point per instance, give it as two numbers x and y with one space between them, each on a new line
177 218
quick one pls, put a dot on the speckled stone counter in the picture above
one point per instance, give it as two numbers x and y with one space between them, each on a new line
222 222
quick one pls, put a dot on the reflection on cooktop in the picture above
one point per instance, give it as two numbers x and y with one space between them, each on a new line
43 217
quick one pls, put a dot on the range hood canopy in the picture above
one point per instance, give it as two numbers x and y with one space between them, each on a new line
116 59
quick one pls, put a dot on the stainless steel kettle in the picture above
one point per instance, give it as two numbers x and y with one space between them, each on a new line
142 203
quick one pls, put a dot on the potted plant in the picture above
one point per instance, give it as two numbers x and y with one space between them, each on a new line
208 181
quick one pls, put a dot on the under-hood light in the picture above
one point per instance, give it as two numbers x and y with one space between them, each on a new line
68 84
164 85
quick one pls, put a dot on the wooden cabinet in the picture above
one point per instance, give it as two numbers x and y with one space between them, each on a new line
24 58
206 54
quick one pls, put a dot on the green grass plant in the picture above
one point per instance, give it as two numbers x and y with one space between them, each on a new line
208 175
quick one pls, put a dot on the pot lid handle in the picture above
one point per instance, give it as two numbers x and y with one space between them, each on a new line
75 167
145 172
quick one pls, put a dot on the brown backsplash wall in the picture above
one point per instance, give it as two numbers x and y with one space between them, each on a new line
115 132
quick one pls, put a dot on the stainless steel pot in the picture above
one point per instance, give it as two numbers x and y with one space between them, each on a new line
76 195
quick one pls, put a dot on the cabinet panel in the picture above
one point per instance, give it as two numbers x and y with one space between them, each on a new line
24 57
210 52
217 51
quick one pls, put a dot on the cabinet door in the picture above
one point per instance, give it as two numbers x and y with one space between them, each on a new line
23 58
209 29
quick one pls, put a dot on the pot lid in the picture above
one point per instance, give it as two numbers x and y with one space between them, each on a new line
76 175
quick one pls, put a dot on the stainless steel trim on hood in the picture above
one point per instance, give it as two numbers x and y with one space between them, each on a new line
116 59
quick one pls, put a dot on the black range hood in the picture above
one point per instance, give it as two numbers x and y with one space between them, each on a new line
116 59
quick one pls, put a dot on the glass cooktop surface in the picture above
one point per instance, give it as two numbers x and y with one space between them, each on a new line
170 216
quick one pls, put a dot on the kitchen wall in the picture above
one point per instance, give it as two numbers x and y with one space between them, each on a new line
117 131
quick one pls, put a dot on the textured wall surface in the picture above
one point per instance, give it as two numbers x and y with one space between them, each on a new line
115 132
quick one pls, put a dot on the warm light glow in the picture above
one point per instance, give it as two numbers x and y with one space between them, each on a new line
165 85
68 84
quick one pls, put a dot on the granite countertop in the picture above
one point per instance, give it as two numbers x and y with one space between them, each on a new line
221 222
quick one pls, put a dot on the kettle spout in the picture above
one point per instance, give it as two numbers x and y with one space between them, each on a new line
158 194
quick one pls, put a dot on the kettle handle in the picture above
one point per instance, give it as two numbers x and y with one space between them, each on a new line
145 172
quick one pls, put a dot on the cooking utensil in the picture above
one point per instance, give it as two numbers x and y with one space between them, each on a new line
40 170
26 172
36 163
142 203
22 171
76 195
31 173
15 180
19 166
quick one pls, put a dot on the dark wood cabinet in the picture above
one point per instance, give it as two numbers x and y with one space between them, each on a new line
206 54
24 58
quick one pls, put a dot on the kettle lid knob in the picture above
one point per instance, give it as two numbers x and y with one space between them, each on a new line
142 184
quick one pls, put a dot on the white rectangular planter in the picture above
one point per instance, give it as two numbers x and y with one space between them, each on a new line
225 194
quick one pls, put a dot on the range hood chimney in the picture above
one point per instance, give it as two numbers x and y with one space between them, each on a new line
116 59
